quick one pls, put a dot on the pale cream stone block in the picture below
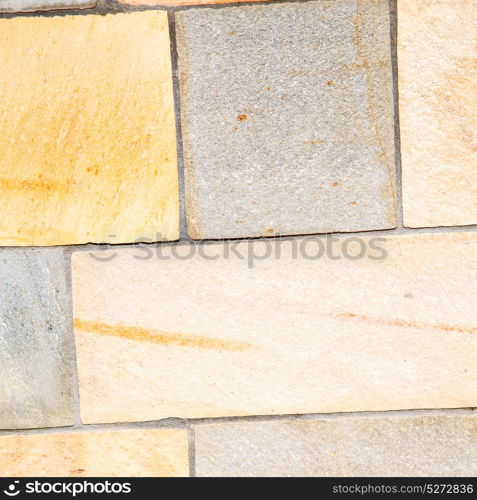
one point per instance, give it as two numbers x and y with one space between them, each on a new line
437 51
209 338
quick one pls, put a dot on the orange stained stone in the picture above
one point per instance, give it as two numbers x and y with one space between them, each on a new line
183 2
151 452
87 130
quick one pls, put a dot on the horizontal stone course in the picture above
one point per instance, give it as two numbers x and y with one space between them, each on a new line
354 445
211 337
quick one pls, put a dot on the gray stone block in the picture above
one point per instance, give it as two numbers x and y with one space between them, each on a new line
287 118
353 445
36 344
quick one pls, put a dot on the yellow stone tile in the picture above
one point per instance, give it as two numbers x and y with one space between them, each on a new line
162 452
87 130
210 337
437 51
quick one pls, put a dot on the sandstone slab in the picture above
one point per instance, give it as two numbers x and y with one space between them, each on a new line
287 118
87 122
133 453
34 5
437 50
36 341
397 445
205 335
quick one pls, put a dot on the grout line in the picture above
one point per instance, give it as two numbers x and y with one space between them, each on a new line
177 112
397 129
399 231
70 334
190 423
192 452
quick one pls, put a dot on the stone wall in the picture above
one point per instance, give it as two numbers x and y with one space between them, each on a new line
238 240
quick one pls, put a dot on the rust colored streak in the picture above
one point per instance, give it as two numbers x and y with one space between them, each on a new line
38 186
159 337
406 324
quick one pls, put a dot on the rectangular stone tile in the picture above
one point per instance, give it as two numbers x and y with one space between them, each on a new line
87 121
287 118
210 337
162 452
36 341
33 5
437 51
395 445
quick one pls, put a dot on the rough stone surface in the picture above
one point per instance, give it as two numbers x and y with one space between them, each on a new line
437 51
109 454
287 118
32 5
36 342
193 337
87 121
438 445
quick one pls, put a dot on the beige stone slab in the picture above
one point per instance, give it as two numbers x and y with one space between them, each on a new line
355 445
133 453
437 51
87 130
207 338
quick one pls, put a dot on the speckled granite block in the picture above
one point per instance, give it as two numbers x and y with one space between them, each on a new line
397 445
35 343
287 118
33 5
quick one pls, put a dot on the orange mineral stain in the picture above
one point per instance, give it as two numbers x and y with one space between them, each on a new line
406 324
154 336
